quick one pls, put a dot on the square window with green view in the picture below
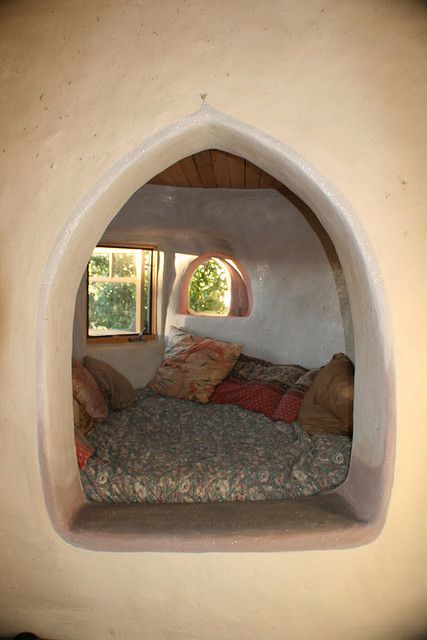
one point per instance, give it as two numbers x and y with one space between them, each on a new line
120 292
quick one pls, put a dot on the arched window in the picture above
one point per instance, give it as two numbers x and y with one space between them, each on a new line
214 285
209 292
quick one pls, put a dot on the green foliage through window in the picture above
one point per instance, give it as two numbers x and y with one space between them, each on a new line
119 291
112 307
99 266
209 289
124 265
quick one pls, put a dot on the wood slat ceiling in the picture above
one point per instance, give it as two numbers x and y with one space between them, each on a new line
214 169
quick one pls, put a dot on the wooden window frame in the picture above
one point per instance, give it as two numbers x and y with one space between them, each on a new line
128 337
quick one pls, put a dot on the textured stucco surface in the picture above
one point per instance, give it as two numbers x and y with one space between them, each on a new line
300 305
84 83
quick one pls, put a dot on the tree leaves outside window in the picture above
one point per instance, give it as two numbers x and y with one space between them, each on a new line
209 291
119 291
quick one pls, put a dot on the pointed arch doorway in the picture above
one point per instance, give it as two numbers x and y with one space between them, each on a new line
355 512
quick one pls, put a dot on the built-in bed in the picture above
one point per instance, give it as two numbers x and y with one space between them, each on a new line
162 449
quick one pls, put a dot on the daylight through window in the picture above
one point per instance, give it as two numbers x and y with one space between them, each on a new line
120 292
210 289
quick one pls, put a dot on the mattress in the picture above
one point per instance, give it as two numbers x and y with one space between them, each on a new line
167 450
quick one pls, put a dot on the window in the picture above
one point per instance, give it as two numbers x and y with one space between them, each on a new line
210 289
120 293
215 285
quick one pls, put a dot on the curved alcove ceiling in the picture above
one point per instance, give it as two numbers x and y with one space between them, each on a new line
355 512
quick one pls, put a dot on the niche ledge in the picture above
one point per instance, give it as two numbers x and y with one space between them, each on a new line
313 522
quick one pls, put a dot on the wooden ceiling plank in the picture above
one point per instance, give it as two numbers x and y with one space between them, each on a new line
167 178
290 195
190 171
236 168
267 181
220 168
252 175
277 184
163 179
156 180
178 175
204 166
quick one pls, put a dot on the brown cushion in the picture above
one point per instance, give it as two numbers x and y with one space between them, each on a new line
116 388
328 404
87 393
82 421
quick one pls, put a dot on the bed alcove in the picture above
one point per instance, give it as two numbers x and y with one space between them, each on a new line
352 514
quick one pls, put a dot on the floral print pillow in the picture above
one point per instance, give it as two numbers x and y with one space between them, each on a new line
280 376
193 366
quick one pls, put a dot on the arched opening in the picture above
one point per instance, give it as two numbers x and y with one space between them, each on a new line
209 291
351 515
215 285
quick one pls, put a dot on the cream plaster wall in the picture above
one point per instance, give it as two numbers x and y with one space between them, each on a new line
81 85
300 303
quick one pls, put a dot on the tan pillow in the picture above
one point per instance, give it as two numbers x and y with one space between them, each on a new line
82 421
115 387
87 392
193 366
328 404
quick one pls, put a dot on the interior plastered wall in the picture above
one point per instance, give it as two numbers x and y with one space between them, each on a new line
82 84
300 310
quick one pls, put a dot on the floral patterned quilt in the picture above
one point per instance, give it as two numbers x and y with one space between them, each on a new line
167 450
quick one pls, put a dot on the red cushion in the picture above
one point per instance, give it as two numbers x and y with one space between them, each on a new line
289 406
254 396
84 449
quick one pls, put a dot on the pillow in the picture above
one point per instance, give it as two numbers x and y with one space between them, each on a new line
290 403
306 380
82 421
280 376
257 385
288 408
84 449
254 396
115 387
193 366
87 393
328 404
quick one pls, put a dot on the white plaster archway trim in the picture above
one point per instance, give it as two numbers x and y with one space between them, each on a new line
353 514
